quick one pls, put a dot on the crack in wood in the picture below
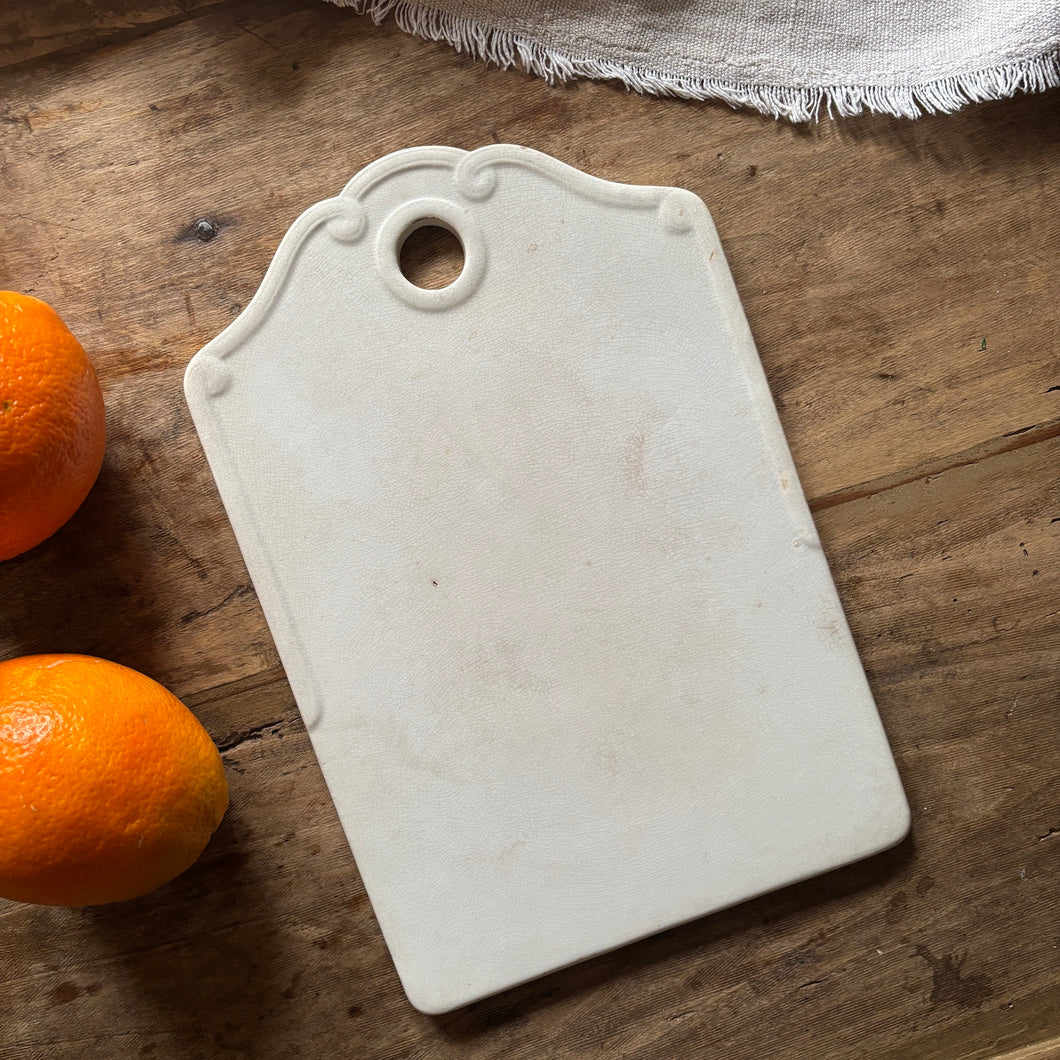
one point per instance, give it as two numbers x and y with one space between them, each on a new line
982 451
237 593
79 39
259 732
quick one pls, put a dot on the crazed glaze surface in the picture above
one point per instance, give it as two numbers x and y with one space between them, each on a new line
539 568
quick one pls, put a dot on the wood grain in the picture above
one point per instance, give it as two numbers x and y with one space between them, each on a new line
870 302
32 28
900 279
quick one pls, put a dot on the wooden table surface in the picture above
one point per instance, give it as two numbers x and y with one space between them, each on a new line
902 284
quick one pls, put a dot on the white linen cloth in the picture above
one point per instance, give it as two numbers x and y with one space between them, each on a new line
788 58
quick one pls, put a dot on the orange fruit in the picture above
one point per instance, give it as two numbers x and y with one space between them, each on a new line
109 785
52 428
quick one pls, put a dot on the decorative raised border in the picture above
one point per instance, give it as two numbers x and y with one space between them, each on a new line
475 176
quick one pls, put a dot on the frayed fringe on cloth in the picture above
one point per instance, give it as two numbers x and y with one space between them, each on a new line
796 104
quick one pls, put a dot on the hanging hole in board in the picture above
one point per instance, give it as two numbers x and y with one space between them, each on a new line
431 255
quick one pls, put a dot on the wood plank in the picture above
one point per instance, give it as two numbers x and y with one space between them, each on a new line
911 244
32 28
862 298
944 947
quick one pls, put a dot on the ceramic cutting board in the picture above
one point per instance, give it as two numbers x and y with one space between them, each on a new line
539 568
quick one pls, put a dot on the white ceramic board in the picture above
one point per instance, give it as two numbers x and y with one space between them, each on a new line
539 568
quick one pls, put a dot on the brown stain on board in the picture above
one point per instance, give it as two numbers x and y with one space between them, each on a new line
896 907
68 991
635 462
949 983
64 993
